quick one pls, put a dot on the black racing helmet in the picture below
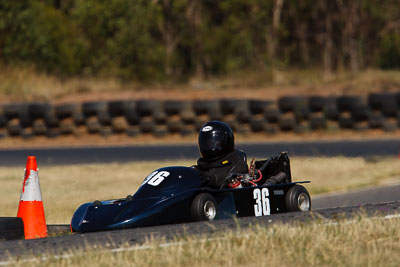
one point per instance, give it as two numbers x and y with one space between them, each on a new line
216 139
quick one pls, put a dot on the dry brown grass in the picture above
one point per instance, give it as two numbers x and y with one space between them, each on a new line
358 242
24 84
341 173
64 188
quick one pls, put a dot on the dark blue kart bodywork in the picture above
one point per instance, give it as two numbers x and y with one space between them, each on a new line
165 197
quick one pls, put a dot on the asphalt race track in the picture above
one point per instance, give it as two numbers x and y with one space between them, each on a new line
60 156
382 201
326 208
380 194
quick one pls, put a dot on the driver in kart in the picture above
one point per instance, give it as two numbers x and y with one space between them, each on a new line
219 158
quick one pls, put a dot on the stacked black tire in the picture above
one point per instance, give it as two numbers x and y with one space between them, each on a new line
299 114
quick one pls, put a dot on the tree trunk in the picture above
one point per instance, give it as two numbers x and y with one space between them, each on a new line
302 35
351 16
194 17
169 34
328 43
353 36
272 37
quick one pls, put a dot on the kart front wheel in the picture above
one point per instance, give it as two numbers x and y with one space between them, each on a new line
298 199
204 208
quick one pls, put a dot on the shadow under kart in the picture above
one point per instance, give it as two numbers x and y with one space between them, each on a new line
174 195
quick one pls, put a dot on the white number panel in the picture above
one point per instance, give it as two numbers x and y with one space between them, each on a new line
262 206
156 178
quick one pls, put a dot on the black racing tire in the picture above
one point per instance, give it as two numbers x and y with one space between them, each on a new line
376 120
16 110
27 133
93 108
173 107
317 103
242 129
347 103
228 106
51 120
360 112
187 114
272 113
174 124
14 127
317 121
46 111
271 128
242 115
106 131
39 110
20 111
3 120
67 110
203 208
147 124
398 99
53 133
147 107
3 133
390 125
361 126
293 103
331 112
188 130
119 124
67 126
116 108
93 125
236 105
258 106
287 121
385 102
159 116
79 118
160 130
133 131
39 127
257 124
104 118
208 107
302 127
11 228
345 120
298 199
130 113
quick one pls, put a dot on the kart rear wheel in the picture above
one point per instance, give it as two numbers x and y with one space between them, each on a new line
204 208
298 199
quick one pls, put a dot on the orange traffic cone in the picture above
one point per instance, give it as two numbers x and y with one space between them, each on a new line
31 206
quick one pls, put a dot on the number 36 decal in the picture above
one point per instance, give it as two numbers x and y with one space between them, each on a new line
262 202
155 178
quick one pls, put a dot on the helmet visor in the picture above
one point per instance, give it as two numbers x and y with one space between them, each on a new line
212 144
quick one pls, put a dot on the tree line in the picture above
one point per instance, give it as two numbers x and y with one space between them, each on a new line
178 39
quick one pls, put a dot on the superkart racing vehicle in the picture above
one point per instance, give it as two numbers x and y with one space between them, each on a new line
174 195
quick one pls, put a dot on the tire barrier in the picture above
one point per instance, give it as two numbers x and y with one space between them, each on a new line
11 228
299 114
